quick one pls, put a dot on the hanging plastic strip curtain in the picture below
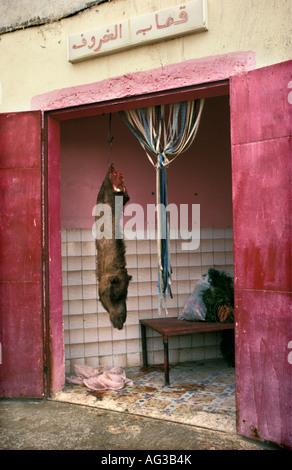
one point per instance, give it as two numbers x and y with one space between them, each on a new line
164 131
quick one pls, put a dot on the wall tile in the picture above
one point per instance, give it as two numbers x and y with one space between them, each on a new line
133 345
77 337
219 244
105 334
194 259
131 247
133 359
64 249
74 278
131 318
143 261
91 350
228 233
210 339
88 333
119 347
64 235
74 249
210 352
92 361
185 354
88 249
89 292
89 278
105 348
89 263
73 235
218 233
101 310
132 331
229 258
76 361
206 233
86 236
219 259
185 341
64 264
74 263
229 244
77 351
75 292
65 293
207 259
119 335
75 307
106 360
197 354
90 321
173 356
76 322
67 365
207 246
120 360
90 306
158 357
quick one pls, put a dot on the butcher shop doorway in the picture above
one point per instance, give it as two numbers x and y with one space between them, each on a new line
262 280
260 118
201 176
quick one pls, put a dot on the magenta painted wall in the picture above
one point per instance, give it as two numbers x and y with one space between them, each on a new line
204 170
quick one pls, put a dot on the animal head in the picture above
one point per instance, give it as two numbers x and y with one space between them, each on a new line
113 185
118 184
113 291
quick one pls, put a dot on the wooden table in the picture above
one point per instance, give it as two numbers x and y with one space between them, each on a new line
171 327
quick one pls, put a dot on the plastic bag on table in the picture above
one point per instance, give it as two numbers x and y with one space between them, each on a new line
194 308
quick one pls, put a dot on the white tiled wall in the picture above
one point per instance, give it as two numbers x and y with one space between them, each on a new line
88 335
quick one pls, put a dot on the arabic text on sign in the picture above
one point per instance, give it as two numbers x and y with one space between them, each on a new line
152 27
169 22
106 38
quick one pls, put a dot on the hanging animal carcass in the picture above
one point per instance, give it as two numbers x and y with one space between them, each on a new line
112 275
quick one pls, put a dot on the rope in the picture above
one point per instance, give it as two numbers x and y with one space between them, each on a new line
164 132
109 138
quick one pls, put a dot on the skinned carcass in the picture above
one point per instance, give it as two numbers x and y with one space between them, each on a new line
112 275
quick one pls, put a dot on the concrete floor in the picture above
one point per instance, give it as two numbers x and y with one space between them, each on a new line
51 425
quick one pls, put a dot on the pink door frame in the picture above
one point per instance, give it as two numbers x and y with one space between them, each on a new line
136 88
261 123
198 78
22 358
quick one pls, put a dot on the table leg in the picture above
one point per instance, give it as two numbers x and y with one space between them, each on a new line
144 345
166 360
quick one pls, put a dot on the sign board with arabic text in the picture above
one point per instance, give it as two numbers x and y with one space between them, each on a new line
153 27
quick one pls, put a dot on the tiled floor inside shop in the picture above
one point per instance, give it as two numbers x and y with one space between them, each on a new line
200 393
